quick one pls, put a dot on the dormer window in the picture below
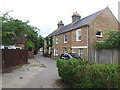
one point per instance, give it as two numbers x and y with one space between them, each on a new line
65 38
56 39
99 34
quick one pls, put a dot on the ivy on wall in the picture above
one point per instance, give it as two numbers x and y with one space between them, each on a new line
48 41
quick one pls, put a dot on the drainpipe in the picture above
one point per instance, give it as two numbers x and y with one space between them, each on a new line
87 42
71 41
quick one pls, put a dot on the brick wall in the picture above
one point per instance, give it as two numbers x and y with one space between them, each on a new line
83 41
104 22
71 41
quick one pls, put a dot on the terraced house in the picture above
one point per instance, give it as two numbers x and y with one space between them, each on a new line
80 35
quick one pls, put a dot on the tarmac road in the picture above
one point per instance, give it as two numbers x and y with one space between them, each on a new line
46 78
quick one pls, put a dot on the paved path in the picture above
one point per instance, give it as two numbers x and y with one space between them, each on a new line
47 77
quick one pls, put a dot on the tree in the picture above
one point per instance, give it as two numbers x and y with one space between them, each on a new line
41 41
13 29
48 41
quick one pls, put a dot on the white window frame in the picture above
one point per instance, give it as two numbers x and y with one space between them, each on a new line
78 35
56 51
49 50
57 39
99 35
80 52
64 50
65 38
72 49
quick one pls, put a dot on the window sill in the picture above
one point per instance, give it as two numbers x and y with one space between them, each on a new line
99 41
65 42
56 55
99 36
78 40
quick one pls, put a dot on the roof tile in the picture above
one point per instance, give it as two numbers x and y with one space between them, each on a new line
77 24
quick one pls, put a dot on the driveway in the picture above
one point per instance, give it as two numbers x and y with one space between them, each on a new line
46 78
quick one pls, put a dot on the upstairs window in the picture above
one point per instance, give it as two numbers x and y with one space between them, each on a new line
56 39
78 35
65 38
99 34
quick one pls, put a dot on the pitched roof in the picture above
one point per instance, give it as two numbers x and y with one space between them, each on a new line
77 24
51 34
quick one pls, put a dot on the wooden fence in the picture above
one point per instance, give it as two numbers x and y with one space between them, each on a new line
31 54
13 57
105 56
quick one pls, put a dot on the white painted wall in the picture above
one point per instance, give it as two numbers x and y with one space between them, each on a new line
10 47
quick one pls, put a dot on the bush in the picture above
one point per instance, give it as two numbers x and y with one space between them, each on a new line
86 74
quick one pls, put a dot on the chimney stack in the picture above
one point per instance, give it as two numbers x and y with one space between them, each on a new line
75 17
60 24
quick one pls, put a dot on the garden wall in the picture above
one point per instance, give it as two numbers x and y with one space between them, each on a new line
13 57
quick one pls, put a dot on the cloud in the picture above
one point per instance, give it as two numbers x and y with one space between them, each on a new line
45 14
44 31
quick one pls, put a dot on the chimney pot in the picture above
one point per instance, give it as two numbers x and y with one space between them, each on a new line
75 17
60 24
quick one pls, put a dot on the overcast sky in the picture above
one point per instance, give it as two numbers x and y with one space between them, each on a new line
45 14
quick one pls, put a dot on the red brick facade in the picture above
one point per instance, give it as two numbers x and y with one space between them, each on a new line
102 23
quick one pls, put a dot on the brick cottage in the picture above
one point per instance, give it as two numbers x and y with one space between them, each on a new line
80 35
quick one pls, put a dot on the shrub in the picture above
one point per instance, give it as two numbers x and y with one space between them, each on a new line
86 74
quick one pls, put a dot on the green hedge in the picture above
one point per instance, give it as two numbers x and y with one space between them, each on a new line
86 74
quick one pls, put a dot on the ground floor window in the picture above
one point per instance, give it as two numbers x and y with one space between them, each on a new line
72 50
50 50
56 51
81 52
64 50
